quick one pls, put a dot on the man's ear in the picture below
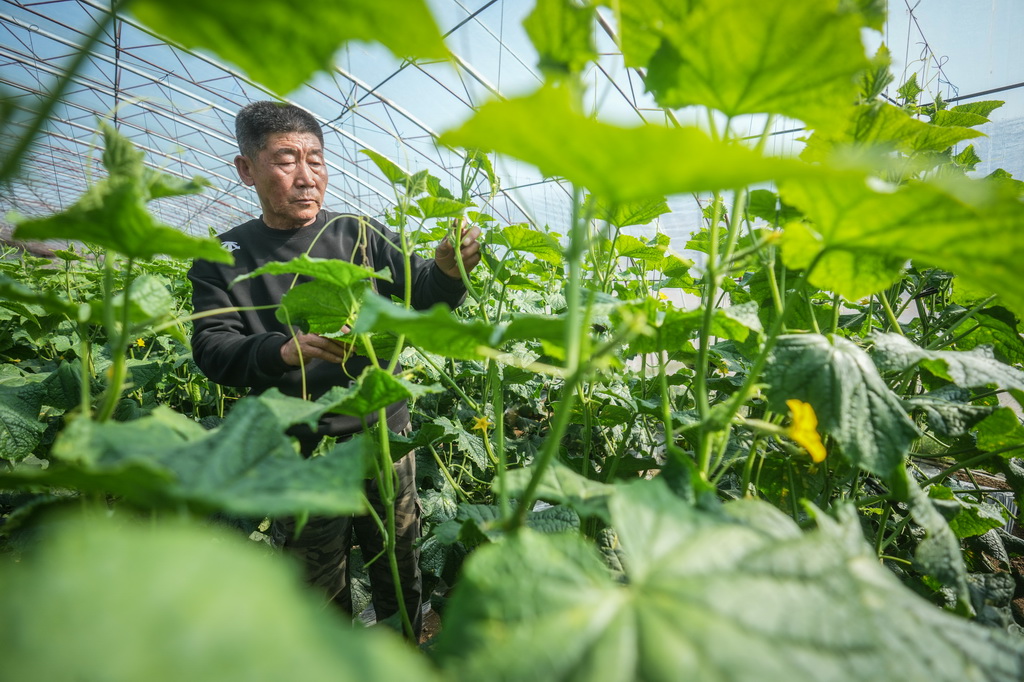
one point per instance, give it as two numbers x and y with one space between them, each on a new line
242 165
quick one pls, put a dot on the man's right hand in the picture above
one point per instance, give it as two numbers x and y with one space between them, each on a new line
314 346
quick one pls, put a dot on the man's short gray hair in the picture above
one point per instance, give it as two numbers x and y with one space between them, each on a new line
256 120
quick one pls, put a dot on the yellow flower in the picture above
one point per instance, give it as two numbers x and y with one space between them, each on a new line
481 424
804 429
141 343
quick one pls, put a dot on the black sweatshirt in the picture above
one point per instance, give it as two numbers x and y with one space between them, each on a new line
244 348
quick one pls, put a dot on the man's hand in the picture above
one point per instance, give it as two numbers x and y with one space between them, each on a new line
314 346
469 247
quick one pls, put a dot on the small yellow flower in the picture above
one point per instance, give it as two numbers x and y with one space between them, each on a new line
804 429
481 424
662 296
141 343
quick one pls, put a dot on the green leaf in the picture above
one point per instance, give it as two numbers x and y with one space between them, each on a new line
618 165
632 213
562 485
968 158
328 270
112 213
862 231
149 301
765 205
20 428
322 308
968 518
563 34
1001 430
676 327
525 239
294 42
394 174
704 597
165 602
247 466
983 108
628 246
799 58
327 303
642 23
876 78
13 290
909 91
439 207
852 402
970 369
63 387
885 127
436 330
949 412
938 554
954 117
1000 329
374 389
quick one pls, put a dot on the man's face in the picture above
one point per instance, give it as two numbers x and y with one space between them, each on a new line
290 178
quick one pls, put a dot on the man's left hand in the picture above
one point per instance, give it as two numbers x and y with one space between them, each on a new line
469 248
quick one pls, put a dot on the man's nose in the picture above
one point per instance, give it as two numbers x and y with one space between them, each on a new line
304 175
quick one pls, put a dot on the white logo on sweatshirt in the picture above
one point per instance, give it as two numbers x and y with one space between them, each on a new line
231 246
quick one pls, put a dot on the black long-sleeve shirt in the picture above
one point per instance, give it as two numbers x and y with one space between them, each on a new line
243 348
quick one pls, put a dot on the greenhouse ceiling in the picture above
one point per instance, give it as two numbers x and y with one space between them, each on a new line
179 106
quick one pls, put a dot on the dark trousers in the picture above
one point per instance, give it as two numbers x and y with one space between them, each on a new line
323 547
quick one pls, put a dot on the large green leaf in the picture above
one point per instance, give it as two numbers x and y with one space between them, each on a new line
295 40
862 231
969 369
949 410
13 290
327 303
743 596
999 329
938 553
528 240
374 389
331 271
968 518
20 428
889 127
616 164
112 213
562 485
642 23
563 34
246 466
436 330
632 213
321 308
851 400
799 58
174 602
675 328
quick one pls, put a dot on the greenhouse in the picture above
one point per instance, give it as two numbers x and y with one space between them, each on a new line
521 340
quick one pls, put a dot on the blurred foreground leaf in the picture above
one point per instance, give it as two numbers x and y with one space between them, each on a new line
164 603
744 595
295 39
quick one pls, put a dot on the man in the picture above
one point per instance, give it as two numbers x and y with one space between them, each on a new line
282 157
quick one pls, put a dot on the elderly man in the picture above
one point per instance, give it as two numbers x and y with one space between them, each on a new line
282 157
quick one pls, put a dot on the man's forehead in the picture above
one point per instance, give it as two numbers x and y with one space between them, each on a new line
282 143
